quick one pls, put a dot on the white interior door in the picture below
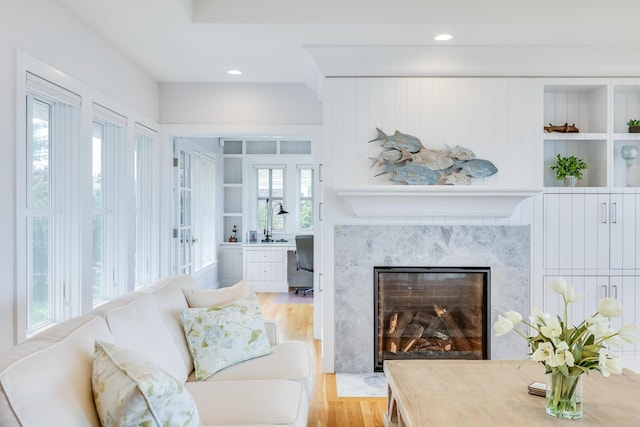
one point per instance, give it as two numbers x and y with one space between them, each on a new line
183 197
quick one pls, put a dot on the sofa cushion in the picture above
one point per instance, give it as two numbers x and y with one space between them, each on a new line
219 337
139 326
290 360
201 298
250 403
171 301
130 389
48 377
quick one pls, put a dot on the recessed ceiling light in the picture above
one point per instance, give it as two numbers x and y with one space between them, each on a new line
443 37
234 72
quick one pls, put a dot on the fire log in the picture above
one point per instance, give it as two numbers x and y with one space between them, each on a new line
402 322
416 332
457 335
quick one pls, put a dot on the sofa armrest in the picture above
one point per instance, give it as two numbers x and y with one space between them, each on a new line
272 331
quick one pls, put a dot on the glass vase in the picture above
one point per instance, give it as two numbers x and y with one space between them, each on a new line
564 396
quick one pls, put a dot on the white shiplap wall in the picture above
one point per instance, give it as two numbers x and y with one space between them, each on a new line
500 119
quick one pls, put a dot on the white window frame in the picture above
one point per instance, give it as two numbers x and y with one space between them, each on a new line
147 189
63 241
114 202
272 199
301 198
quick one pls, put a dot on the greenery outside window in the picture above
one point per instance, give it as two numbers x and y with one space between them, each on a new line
305 197
270 187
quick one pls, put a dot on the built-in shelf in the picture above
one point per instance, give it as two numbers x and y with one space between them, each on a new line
435 201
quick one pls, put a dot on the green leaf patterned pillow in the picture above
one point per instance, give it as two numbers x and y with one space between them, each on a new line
131 390
219 337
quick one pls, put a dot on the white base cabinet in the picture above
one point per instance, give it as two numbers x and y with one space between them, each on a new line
591 239
266 268
626 289
231 265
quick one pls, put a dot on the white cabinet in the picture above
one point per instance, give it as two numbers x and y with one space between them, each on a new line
591 232
266 268
625 289
231 264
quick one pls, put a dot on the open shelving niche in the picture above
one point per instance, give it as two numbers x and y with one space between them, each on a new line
592 109
232 183
626 105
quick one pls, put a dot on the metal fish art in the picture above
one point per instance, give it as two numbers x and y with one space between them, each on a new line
411 163
461 153
455 178
478 168
394 156
399 140
432 159
411 174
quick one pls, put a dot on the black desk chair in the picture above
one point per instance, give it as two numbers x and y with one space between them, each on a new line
304 257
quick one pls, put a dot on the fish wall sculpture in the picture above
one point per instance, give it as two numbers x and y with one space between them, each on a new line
410 162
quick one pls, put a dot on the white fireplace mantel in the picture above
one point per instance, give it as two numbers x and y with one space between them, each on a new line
434 200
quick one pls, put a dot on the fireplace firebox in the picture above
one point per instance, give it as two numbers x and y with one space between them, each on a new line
431 313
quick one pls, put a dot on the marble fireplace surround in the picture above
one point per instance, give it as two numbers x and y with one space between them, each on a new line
358 248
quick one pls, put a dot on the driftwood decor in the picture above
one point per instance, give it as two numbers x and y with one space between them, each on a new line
410 162
565 128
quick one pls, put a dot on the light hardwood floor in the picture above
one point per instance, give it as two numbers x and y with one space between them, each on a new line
326 409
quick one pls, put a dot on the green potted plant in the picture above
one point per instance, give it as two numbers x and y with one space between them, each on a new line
634 126
569 169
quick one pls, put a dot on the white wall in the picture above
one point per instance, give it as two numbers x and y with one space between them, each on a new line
230 104
45 31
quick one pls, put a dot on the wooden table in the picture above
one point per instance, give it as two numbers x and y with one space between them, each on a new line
494 393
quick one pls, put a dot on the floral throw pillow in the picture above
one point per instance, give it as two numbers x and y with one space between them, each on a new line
219 337
131 390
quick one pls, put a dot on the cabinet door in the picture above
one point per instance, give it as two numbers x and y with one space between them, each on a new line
625 290
231 266
576 231
587 286
625 231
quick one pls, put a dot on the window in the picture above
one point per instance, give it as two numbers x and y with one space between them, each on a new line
52 130
146 176
81 239
305 197
108 168
271 188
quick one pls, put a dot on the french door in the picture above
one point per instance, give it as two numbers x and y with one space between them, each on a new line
183 199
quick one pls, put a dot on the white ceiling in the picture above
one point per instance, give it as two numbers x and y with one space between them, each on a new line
297 41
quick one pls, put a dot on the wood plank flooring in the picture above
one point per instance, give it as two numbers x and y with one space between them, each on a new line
326 409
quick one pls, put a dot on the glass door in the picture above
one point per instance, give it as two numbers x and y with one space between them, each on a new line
182 231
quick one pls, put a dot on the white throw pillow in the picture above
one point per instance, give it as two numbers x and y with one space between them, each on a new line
219 337
131 390
216 297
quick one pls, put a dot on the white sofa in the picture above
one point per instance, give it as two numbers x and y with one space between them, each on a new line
47 379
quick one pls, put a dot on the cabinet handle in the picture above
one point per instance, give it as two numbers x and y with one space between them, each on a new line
604 213
615 291
321 211
320 167
320 282
614 213
605 290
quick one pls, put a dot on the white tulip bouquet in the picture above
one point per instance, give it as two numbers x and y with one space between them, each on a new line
570 350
